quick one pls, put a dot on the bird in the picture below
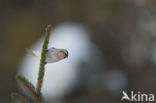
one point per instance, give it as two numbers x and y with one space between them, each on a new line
125 96
64 77
53 54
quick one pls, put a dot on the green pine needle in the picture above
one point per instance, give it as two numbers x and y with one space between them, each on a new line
29 87
19 98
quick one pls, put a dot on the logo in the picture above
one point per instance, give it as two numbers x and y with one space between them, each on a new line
137 97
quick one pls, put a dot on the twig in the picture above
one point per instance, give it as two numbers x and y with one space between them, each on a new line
42 63
19 98
27 85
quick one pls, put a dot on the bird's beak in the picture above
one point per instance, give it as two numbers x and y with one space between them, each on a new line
66 55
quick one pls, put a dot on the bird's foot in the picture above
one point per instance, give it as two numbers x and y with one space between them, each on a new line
45 62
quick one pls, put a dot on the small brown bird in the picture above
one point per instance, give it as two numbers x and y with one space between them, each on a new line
53 54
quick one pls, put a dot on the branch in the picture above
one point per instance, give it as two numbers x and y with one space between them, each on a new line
26 85
42 62
19 98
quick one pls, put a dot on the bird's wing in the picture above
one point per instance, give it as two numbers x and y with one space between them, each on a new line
50 50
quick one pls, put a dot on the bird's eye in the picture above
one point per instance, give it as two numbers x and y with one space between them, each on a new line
66 55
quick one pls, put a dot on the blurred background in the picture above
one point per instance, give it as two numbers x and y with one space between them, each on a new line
111 43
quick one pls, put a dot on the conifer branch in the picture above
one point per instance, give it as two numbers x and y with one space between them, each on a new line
29 87
19 98
42 62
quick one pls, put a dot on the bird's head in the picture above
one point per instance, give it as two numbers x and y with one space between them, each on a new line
64 53
61 54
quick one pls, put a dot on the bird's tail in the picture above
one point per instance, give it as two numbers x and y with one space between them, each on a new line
34 53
